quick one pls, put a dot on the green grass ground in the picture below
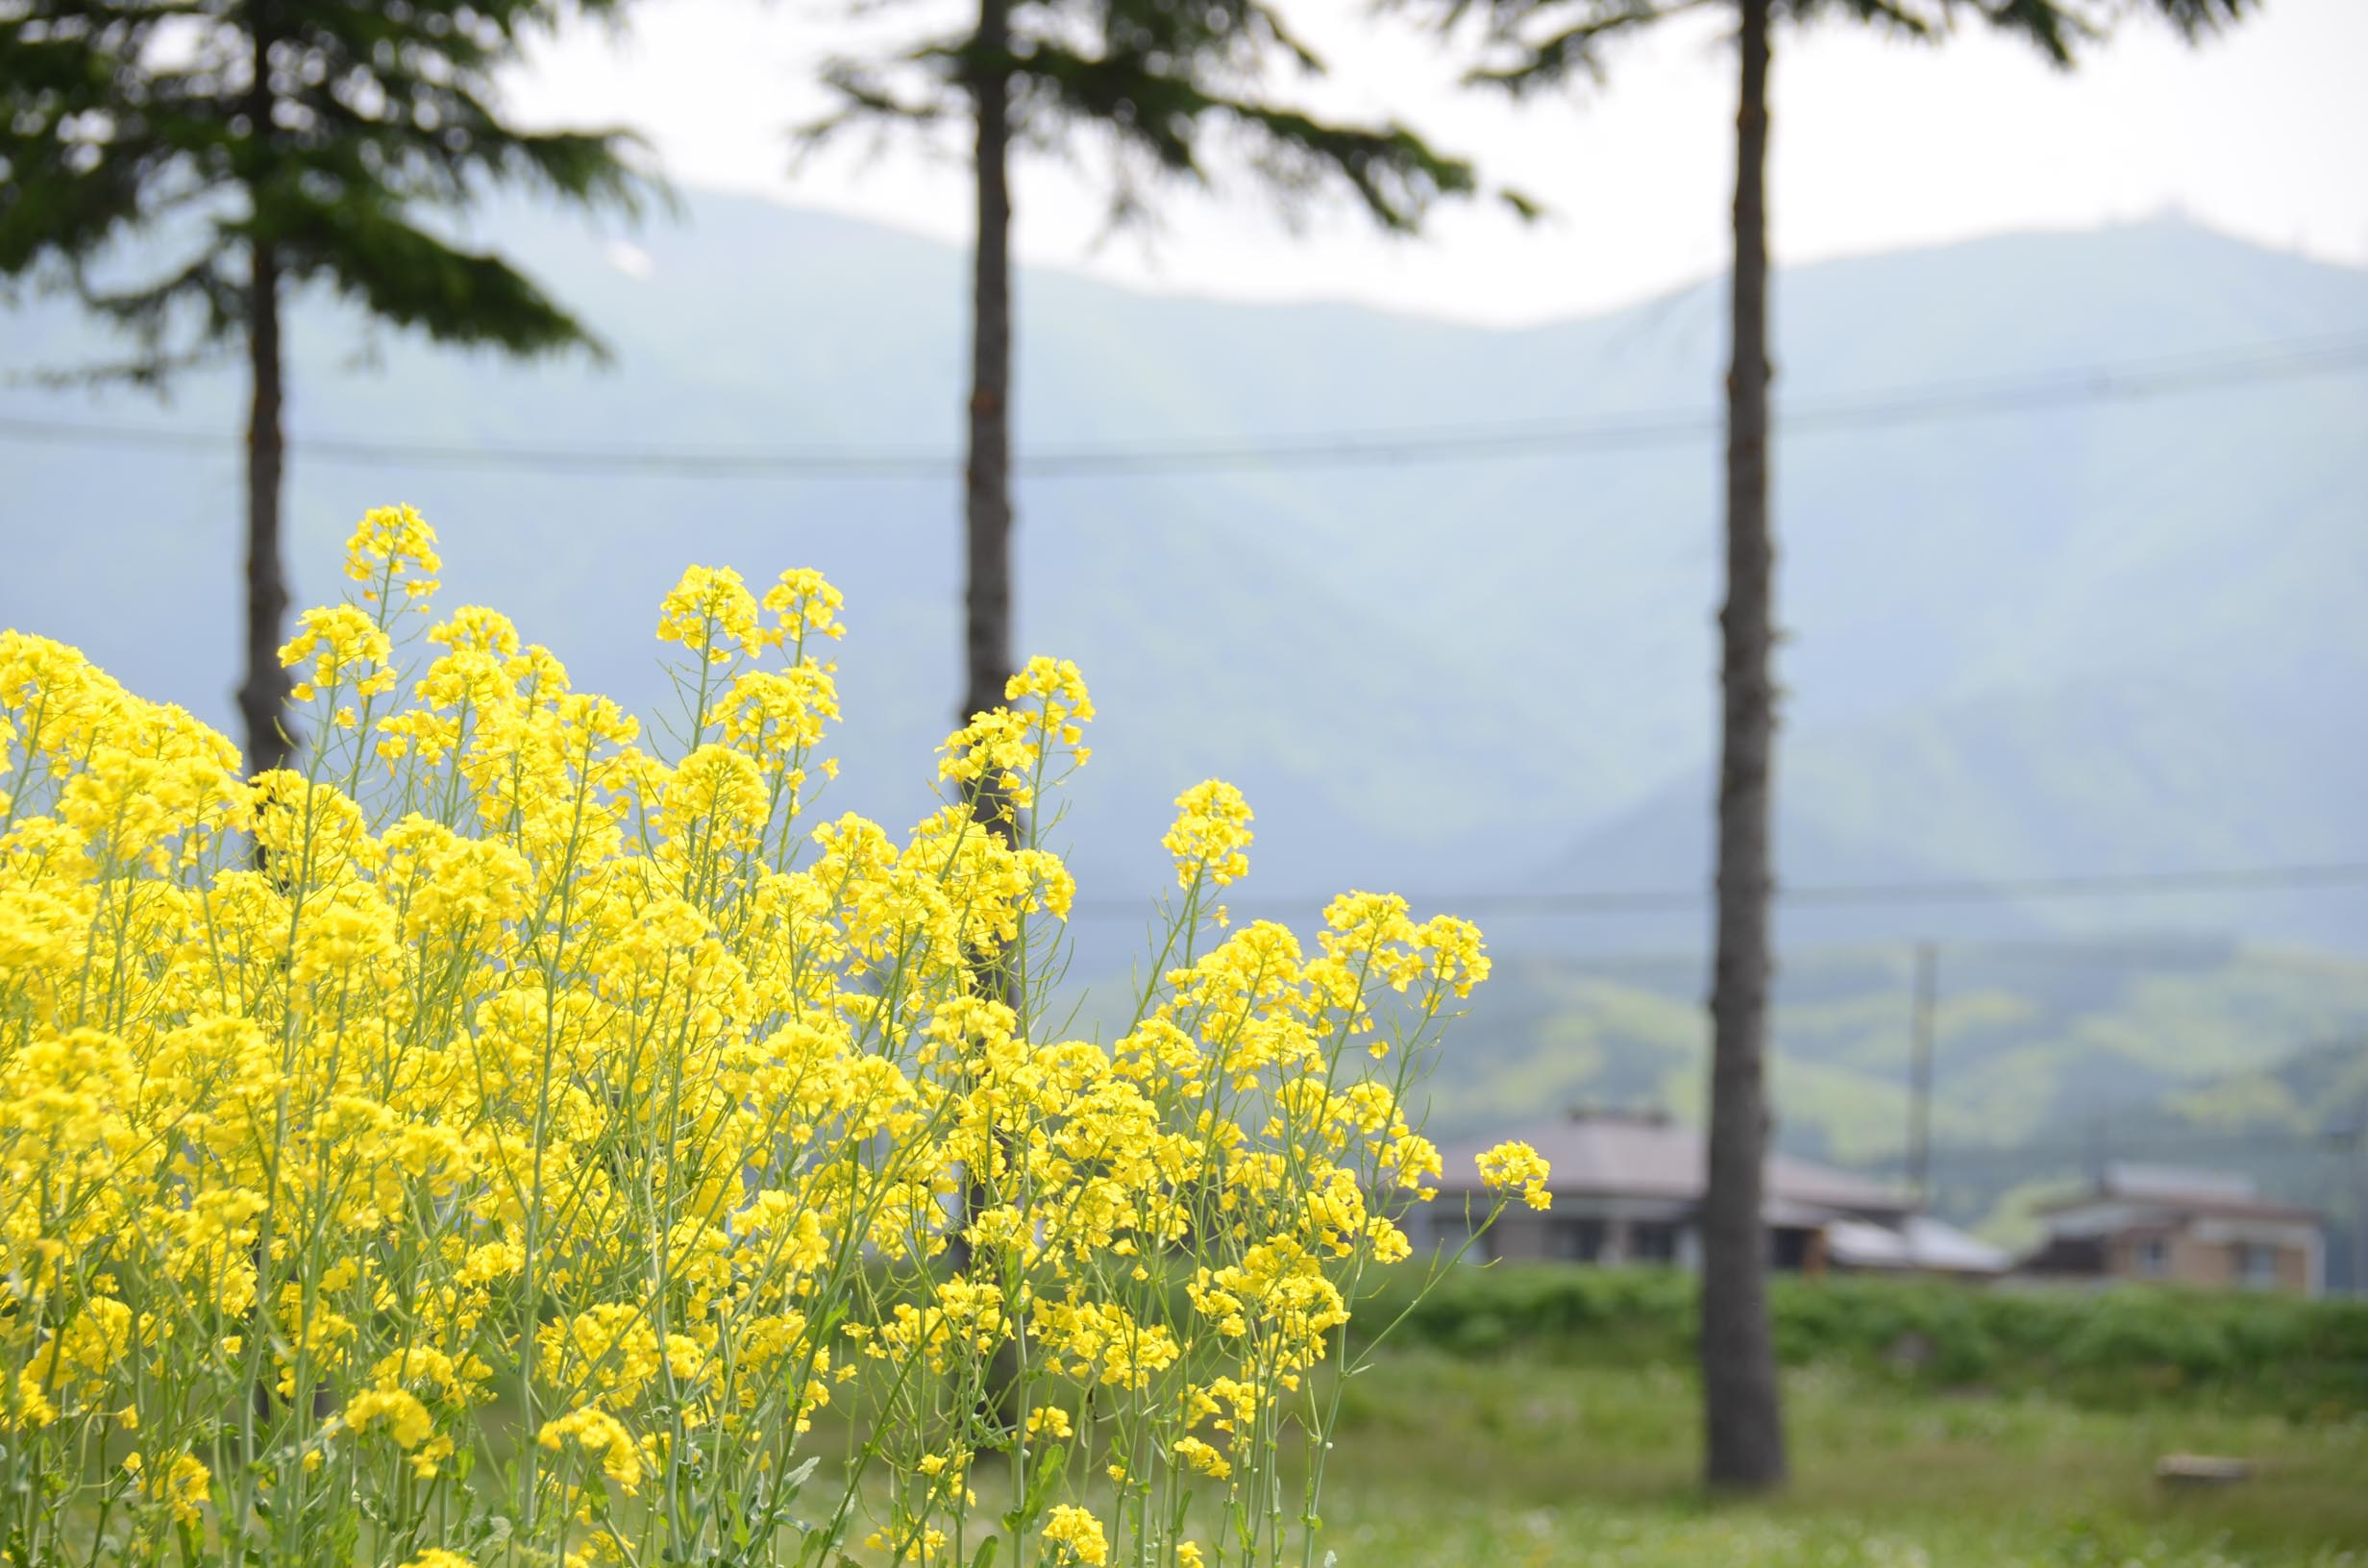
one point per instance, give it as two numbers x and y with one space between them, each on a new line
1452 1463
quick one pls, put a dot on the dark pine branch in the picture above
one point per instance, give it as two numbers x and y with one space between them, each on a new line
251 147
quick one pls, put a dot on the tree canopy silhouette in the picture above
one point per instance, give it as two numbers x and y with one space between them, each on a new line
183 166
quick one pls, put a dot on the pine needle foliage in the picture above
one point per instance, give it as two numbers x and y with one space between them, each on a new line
326 130
1534 46
183 166
1156 88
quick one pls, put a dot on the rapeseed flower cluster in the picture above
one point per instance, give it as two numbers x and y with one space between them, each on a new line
491 1142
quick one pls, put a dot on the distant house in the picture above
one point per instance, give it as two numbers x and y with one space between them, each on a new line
2181 1227
1627 1187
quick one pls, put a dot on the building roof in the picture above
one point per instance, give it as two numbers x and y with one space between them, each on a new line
2168 1191
1628 1155
2124 1180
1918 1241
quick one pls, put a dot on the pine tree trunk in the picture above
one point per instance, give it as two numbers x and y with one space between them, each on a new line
263 700
1745 1427
986 641
262 696
986 511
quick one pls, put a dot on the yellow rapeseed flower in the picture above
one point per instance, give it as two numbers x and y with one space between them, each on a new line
1077 1535
1211 834
1516 1166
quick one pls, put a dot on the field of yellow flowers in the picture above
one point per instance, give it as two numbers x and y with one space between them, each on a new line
495 1143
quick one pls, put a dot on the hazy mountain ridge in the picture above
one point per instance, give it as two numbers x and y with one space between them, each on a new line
1441 677
2104 776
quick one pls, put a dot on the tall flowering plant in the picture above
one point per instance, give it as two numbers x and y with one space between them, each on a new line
493 1143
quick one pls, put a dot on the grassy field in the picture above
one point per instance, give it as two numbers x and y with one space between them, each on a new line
2130 1349
1548 1417
1447 1463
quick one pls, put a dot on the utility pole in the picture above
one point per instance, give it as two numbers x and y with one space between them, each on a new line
2356 1136
1921 1073
2360 1205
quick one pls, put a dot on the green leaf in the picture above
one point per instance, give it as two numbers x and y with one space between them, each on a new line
1038 1496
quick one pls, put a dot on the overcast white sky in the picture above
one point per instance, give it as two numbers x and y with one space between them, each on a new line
1878 144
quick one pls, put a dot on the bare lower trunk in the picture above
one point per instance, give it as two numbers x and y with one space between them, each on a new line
262 699
986 515
986 641
1744 1425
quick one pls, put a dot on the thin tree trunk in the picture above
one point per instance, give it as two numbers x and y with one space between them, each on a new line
1744 1425
986 640
986 513
262 696
263 700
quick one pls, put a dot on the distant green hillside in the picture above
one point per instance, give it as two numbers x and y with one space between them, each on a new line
2109 637
2049 1057
2032 1041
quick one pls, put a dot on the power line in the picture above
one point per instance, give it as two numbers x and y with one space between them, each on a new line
1689 964
2103 884
1380 447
